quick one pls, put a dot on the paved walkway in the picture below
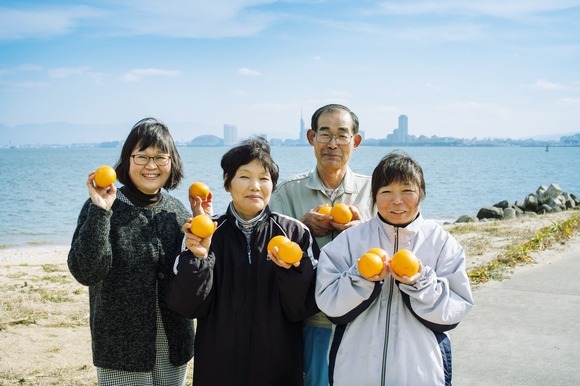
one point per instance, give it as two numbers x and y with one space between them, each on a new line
524 330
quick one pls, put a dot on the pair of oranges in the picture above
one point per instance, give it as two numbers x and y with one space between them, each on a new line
288 250
201 225
403 262
340 213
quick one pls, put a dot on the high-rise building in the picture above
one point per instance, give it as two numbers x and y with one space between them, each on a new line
303 130
403 128
230 135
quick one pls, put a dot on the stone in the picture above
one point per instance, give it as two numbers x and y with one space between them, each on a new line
490 212
502 204
466 218
509 213
531 203
543 209
554 191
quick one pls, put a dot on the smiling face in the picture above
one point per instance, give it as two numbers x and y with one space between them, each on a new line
250 189
149 178
332 156
398 202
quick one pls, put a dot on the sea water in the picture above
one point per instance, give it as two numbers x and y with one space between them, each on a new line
42 190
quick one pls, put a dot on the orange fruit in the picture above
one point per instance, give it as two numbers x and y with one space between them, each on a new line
341 213
325 209
202 226
379 251
405 263
105 176
290 252
370 264
199 189
276 241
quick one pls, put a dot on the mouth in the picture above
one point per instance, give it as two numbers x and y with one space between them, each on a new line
254 197
150 176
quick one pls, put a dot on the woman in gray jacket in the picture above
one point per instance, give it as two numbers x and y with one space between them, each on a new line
124 248
391 329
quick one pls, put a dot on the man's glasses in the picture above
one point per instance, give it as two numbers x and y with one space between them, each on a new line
160 160
341 139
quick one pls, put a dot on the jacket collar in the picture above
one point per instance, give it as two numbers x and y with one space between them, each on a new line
348 184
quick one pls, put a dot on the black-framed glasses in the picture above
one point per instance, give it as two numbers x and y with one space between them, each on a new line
341 139
142 159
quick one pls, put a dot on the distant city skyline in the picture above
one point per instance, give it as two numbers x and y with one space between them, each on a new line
469 69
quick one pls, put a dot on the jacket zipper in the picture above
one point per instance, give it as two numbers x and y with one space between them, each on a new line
388 318
248 315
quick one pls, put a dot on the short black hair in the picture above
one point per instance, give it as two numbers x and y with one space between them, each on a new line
330 109
253 149
149 132
397 166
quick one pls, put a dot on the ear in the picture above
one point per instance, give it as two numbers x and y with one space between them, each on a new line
356 140
310 136
227 188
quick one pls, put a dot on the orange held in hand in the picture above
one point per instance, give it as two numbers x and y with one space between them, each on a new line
199 189
405 263
105 176
370 264
288 250
325 209
341 213
202 226
276 241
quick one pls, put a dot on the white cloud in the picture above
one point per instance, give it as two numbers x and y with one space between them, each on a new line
570 101
139 74
248 72
67 72
542 84
42 23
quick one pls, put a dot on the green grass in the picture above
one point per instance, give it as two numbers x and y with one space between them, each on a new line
499 268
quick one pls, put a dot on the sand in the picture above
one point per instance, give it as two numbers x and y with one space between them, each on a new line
44 315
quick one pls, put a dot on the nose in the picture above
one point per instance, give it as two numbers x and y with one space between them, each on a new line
151 162
254 185
333 143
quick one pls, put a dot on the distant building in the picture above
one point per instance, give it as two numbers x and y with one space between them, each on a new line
401 134
303 139
230 135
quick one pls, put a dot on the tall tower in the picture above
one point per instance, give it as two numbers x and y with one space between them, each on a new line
230 135
303 140
403 132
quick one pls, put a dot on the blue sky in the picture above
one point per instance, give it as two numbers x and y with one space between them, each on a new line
455 68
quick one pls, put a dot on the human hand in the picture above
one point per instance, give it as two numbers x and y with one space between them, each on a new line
199 206
356 219
103 197
197 245
319 224
273 255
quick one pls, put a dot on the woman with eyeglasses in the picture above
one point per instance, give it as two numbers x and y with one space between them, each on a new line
123 249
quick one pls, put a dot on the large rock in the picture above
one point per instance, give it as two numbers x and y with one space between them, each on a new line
490 212
502 204
544 208
509 213
466 218
531 203
554 191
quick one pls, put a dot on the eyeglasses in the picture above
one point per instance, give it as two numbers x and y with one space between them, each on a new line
326 138
142 159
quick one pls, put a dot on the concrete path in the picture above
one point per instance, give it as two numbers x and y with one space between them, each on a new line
524 330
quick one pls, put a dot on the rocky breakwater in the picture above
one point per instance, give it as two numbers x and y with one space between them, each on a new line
547 199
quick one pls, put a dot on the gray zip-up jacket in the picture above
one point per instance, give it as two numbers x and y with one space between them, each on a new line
389 333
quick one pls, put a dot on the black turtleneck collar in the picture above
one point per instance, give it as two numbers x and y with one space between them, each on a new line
140 199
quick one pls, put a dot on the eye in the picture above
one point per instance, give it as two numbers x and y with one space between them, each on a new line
343 137
324 135
162 158
142 158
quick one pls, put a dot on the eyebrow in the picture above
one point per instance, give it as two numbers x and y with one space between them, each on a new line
347 129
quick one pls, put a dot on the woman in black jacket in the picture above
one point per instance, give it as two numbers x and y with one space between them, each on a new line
248 303
124 248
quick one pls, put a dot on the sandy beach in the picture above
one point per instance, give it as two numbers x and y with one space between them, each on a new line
44 331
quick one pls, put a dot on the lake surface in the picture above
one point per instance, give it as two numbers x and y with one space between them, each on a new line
44 189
